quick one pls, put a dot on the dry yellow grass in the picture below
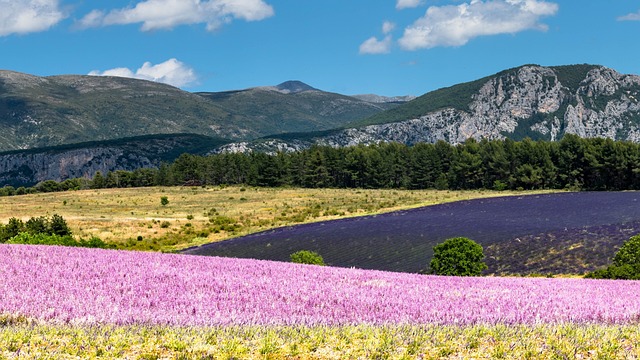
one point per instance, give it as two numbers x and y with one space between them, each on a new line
194 214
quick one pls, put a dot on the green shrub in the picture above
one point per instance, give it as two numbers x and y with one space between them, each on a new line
307 257
222 220
58 226
13 228
66 240
458 257
626 263
37 225
164 201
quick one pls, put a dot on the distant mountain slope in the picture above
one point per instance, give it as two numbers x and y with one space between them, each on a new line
294 107
528 101
384 99
48 111
57 110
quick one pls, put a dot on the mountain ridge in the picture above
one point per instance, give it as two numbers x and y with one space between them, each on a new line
528 101
542 103
55 110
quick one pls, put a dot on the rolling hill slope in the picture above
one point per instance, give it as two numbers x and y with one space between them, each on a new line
554 233
58 110
293 107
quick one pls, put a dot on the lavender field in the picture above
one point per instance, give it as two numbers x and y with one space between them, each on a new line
557 233
89 286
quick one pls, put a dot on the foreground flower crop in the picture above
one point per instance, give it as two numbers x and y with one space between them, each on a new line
76 285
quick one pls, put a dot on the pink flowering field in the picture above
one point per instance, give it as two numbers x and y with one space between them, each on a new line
91 286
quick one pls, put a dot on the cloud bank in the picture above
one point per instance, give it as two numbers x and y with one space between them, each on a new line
167 14
455 25
630 17
28 16
172 72
404 4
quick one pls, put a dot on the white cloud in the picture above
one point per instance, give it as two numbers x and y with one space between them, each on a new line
27 16
375 46
172 72
630 17
404 4
388 27
166 14
455 25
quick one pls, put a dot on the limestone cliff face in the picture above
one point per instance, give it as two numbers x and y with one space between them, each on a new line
530 101
534 99
30 168
27 168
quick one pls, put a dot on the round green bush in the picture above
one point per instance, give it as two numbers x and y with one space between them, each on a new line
307 257
458 257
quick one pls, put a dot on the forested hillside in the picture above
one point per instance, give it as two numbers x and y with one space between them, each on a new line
572 163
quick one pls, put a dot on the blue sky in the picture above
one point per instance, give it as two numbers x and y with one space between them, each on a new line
386 47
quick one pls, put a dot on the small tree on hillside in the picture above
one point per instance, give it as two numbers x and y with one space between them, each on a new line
58 226
626 263
13 228
307 257
458 257
37 225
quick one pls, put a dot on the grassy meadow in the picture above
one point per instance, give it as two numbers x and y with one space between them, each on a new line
135 218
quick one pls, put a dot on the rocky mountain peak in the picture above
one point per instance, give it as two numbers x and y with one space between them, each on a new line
294 87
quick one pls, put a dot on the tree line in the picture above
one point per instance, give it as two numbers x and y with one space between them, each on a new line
571 163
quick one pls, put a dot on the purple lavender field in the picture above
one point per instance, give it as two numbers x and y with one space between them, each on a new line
91 286
556 233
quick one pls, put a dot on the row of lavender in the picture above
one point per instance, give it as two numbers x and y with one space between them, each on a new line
76 285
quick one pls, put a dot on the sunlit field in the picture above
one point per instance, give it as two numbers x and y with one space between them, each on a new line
68 303
136 219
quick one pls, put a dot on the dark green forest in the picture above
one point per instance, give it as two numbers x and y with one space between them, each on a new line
572 163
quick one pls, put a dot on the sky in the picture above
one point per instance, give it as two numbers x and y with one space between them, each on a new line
384 47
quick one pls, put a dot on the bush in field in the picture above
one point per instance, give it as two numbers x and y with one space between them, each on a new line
35 226
53 239
307 257
13 228
626 263
164 201
58 226
458 257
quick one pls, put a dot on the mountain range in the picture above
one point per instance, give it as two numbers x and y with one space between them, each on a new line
60 110
69 114
541 103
